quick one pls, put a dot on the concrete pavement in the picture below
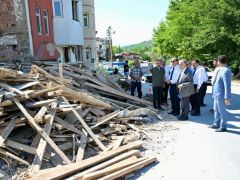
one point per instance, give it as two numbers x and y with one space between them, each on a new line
199 153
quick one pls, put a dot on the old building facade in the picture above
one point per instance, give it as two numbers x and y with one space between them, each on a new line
62 30
68 29
89 50
42 33
26 30
14 37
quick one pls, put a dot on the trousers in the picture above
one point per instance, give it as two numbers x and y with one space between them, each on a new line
185 106
165 94
220 113
137 85
157 95
175 100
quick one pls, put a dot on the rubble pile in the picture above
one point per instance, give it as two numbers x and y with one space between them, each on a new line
60 121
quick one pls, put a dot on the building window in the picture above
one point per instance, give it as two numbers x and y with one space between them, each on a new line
85 19
75 10
57 8
46 24
38 17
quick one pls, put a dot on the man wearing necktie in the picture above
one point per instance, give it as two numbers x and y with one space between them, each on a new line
221 95
198 79
174 74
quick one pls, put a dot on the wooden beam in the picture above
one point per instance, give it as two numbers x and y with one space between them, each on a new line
118 142
61 72
81 149
19 146
43 134
66 125
85 98
113 168
41 113
85 126
106 164
49 76
5 153
119 93
11 89
37 161
40 103
27 85
107 119
129 169
64 171
8 129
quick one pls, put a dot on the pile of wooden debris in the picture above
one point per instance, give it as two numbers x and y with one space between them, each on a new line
63 115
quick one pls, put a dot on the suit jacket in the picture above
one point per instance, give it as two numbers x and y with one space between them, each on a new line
185 83
222 84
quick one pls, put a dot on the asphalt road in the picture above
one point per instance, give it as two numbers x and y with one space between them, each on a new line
199 153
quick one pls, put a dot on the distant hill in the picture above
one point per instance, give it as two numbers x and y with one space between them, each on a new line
142 45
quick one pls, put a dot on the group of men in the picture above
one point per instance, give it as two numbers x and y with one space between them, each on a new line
186 83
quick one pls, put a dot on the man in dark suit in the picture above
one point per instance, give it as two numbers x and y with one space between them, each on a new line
185 88
158 80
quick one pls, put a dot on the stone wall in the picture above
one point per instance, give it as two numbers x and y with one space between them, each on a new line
14 39
90 33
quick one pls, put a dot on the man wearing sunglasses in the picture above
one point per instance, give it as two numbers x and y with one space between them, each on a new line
174 74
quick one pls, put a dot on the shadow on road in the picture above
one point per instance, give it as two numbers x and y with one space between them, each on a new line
207 117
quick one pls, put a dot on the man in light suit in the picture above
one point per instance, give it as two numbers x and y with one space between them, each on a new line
221 95
185 88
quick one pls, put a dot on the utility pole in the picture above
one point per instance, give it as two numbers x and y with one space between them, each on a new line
110 32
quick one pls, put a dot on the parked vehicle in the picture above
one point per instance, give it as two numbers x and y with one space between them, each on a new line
210 75
147 75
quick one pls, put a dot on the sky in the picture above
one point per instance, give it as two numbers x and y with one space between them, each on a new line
132 20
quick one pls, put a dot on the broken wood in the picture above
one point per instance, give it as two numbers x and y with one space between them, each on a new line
81 149
5 153
41 132
69 169
106 164
129 169
37 161
85 126
5 133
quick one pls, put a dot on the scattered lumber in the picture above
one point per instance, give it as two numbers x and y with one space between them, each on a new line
59 112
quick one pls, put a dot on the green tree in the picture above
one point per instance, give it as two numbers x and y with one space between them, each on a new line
200 29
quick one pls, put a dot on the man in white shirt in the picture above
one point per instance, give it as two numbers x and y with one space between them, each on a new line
166 87
198 80
174 74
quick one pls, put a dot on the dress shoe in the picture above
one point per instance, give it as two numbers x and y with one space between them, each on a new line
203 105
171 112
160 108
213 126
195 114
211 110
182 118
176 114
221 130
